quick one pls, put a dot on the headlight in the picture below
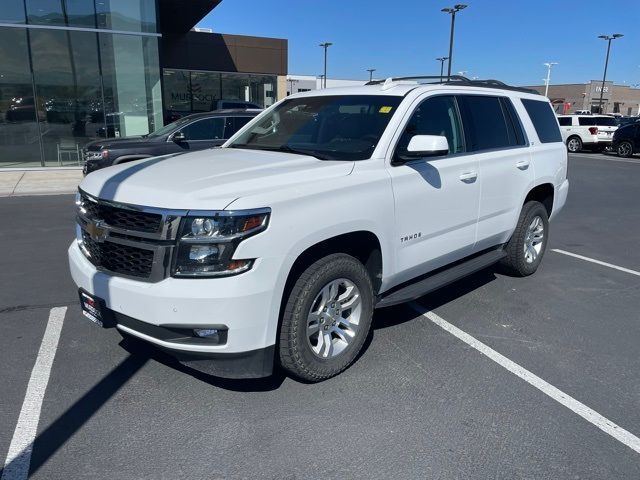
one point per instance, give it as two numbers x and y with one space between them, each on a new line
207 243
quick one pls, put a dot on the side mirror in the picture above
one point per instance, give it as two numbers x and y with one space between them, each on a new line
179 137
427 146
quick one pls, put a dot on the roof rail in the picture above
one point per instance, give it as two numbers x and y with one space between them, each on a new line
454 80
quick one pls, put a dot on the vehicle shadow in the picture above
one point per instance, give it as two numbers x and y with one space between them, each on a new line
142 349
397 315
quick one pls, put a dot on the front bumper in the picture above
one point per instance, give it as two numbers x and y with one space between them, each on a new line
244 304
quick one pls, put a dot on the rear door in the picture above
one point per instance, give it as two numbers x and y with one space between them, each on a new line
495 134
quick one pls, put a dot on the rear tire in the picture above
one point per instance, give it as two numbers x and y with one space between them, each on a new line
624 149
528 243
326 319
574 144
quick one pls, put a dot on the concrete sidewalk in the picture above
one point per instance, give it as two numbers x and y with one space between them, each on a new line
39 182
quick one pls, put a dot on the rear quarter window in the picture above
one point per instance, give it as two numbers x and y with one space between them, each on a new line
543 119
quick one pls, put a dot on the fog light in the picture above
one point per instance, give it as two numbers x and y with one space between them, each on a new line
199 253
206 332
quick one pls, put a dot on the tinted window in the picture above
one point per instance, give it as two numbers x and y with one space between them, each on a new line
207 129
485 123
587 121
544 120
514 127
435 116
234 124
606 121
564 121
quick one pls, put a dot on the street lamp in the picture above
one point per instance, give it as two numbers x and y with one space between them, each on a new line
371 70
326 46
608 38
549 66
442 60
452 11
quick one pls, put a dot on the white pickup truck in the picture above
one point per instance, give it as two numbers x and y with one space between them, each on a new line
276 248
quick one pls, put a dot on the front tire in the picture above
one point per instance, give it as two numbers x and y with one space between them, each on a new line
528 243
574 144
326 319
624 149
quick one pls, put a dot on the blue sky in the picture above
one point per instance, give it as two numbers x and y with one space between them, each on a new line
504 39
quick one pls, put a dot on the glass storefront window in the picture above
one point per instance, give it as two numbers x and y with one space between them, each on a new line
19 136
12 11
264 90
131 78
235 87
127 15
68 92
74 13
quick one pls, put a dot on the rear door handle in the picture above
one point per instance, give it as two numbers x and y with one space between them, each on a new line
523 164
468 177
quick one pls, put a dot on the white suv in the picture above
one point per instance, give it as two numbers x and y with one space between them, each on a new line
277 247
594 132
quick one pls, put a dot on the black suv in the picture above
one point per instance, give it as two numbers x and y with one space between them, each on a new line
626 139
194 132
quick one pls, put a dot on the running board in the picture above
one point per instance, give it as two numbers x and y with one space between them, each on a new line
440 279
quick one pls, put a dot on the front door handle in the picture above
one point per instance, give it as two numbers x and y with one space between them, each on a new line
523 164
468 177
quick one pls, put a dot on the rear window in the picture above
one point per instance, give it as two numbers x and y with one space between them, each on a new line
544 120
564 121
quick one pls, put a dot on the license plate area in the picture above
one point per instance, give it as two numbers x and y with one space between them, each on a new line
96 310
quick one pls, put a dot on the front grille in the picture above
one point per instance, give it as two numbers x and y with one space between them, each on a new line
122 217
122 259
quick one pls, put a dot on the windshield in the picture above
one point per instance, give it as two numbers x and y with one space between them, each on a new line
336 127
167 129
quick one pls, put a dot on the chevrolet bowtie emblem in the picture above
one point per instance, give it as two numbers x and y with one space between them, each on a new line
96 230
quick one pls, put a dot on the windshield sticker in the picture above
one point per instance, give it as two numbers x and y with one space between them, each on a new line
385 109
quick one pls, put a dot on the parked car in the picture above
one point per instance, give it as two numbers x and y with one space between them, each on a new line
626 120
278 246
173 115
626 140
593 132
194 132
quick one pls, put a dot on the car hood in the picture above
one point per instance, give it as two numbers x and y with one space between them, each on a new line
114 143
208 179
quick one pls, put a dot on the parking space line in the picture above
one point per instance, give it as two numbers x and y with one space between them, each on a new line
559 396
16 465
593 260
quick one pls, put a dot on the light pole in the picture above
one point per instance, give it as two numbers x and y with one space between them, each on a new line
549 66
321 77
442 60
608 38
371 70
326 46
452 11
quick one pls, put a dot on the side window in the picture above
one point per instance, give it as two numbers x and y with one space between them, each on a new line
514 127
544 120
207 129
564 121
485 123
435 116
234 124
586 121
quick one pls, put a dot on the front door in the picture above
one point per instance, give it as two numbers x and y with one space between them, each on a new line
436 198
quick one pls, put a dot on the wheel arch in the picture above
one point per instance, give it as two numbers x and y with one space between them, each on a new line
543 193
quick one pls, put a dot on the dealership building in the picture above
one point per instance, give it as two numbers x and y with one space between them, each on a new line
568 98
72 71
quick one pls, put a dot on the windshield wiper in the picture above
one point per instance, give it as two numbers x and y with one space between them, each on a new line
281 148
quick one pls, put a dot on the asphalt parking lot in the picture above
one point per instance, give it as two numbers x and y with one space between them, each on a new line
419 403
